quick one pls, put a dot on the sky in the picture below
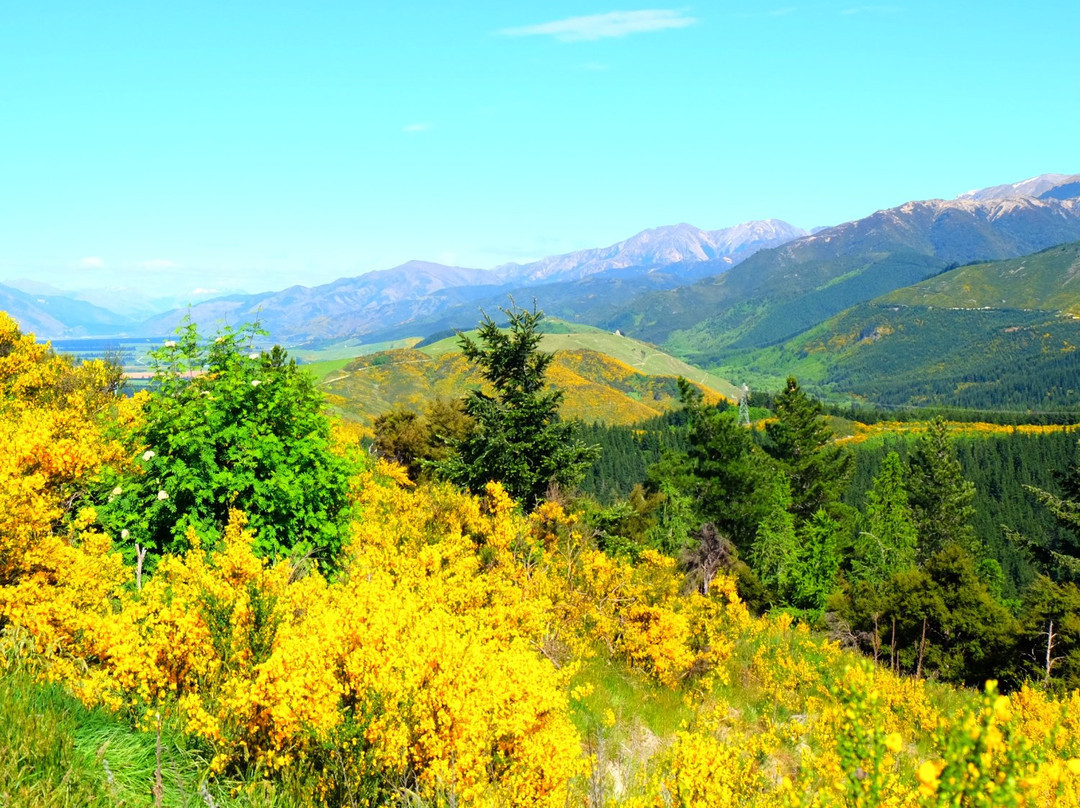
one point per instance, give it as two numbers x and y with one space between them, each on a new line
175 146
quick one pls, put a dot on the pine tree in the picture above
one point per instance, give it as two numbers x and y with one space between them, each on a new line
888 537
720 469
818 561
800 440
1062 558
519 439
940 498
774 555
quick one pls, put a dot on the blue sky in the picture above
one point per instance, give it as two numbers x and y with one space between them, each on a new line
252 145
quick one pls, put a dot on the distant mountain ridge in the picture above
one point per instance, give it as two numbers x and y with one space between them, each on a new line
781 292
426 297
1036 186
661 247
700 292
52 316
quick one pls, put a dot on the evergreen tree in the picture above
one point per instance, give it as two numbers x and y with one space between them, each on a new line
1060 557
1048 641
887 540
775 553
940 497
800 440
719 469
818 561
519 439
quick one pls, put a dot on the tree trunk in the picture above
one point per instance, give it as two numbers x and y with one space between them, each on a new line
922 649
1049 653
894 663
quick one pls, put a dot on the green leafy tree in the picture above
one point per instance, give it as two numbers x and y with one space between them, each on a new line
801 442
939 495
887 540
230 427
519 439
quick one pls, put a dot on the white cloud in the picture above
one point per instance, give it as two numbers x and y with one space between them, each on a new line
870 10
157 263
203 291
416 127
602 26
92 262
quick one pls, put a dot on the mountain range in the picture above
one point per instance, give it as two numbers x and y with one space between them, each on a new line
710 297
418 292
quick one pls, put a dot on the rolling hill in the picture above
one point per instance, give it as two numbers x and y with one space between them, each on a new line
604 377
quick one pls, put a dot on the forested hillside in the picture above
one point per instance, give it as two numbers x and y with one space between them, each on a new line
992 336
235 605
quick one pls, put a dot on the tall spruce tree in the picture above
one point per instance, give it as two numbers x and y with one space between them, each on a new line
518 439
800 440
775 552
818 561
887 539
720 469
941 499
1059 556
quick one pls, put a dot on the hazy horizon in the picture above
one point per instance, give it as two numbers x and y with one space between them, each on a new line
259 146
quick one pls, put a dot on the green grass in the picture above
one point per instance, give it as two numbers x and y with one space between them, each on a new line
635 700
56 753
347 350
326 368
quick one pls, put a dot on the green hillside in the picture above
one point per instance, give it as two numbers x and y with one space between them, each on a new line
1046 281
995 335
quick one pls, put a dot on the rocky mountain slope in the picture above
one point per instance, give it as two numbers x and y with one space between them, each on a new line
784 291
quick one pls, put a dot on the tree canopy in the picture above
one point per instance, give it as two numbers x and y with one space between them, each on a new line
518 439
230 427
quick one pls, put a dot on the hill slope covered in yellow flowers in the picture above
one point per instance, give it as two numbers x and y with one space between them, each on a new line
596 387
462 653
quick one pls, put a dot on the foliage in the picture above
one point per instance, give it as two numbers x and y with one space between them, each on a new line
1061 557
887 538
519 439
801 442
418 440
229 427
462 653
939 495
720 469
775 552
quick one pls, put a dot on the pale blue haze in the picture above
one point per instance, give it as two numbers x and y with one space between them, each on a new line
252 145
